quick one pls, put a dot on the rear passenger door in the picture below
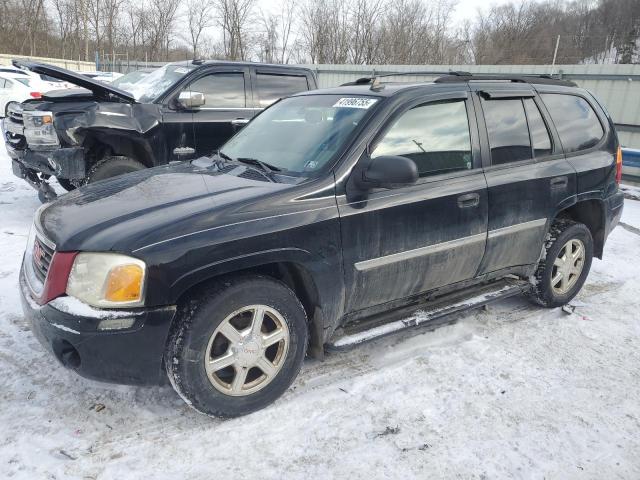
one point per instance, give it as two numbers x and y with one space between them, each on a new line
408 240
528 177
270 85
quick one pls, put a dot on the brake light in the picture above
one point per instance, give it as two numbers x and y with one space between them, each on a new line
55 284
35 95
619 165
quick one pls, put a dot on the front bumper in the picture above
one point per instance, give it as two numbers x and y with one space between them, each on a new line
66 163
129 356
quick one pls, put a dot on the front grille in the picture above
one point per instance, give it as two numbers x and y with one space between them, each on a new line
14 135
42 255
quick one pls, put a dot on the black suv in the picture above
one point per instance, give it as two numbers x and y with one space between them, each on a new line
322 224
177 112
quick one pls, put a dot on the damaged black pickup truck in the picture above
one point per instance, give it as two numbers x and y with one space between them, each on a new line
175 113
324 223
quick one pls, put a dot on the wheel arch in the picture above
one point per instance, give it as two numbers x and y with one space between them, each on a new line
591 213
293 271
114 143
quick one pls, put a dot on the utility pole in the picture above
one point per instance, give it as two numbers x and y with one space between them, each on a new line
555 55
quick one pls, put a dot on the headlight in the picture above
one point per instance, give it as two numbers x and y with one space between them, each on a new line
107 280
39 130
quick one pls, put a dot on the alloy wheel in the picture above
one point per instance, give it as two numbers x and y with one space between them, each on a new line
567 266
247 350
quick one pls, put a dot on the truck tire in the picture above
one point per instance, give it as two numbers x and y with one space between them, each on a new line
565 263
66 184
112 166
237 346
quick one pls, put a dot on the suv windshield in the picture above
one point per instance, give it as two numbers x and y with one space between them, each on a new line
150 87
299 135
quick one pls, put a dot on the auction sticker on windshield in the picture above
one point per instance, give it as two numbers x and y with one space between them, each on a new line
355 102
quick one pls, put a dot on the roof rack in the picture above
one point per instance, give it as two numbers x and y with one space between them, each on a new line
460 76
536 79
376 85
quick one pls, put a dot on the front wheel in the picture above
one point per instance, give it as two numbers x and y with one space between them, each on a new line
237 346
567 256
112 166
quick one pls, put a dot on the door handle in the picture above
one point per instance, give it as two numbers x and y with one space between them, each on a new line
559 182
239 121
468 200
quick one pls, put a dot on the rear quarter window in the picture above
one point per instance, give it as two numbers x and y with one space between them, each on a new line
576 121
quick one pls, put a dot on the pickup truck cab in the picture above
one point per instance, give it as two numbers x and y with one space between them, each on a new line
177 112
321 225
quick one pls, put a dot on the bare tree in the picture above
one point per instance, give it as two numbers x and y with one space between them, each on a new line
234 17
199 17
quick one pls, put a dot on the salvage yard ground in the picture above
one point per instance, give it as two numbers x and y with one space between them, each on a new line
513 391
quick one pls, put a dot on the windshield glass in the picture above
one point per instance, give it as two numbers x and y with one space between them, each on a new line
150 87
126 81
299 135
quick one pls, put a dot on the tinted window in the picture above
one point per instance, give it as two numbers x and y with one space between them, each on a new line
575 120
221 90
539 133
507 129
435 136
275 87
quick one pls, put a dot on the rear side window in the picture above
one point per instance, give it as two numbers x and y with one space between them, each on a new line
435 136
575 120
507 130
221 90
274 87
539 133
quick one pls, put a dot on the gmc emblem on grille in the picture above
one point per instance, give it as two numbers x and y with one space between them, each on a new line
37 253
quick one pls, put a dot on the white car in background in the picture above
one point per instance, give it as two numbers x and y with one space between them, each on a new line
18 88
106 77
47 82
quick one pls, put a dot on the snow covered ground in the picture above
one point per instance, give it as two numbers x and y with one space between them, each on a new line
511 392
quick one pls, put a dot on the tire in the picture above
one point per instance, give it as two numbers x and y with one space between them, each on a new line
196 336
549 292
66 184
112 166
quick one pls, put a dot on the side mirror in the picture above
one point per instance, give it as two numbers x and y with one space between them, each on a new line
191 100
389 171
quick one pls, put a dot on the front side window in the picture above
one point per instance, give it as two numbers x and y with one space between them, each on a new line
507 129
274 87
221 90
300 135
435 136
539 133
575 120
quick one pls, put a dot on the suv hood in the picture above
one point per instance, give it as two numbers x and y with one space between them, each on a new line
140 208
99 89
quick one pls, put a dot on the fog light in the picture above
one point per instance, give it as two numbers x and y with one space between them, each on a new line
116 323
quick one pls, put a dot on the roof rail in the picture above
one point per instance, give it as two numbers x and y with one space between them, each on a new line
535 79
375 84
460 76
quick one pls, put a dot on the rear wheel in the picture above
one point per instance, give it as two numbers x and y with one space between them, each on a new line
113 166
568 253
238 346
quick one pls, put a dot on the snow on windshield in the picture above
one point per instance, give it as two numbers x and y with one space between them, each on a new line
151 86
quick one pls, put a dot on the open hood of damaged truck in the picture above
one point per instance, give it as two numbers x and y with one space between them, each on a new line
99 89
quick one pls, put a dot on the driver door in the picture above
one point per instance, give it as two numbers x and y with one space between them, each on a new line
404 241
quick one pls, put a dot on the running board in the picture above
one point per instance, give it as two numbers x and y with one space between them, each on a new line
436 312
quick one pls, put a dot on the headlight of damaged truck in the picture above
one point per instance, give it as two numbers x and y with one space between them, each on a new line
107 280
39 130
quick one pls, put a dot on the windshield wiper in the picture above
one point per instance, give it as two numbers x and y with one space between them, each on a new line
267 167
